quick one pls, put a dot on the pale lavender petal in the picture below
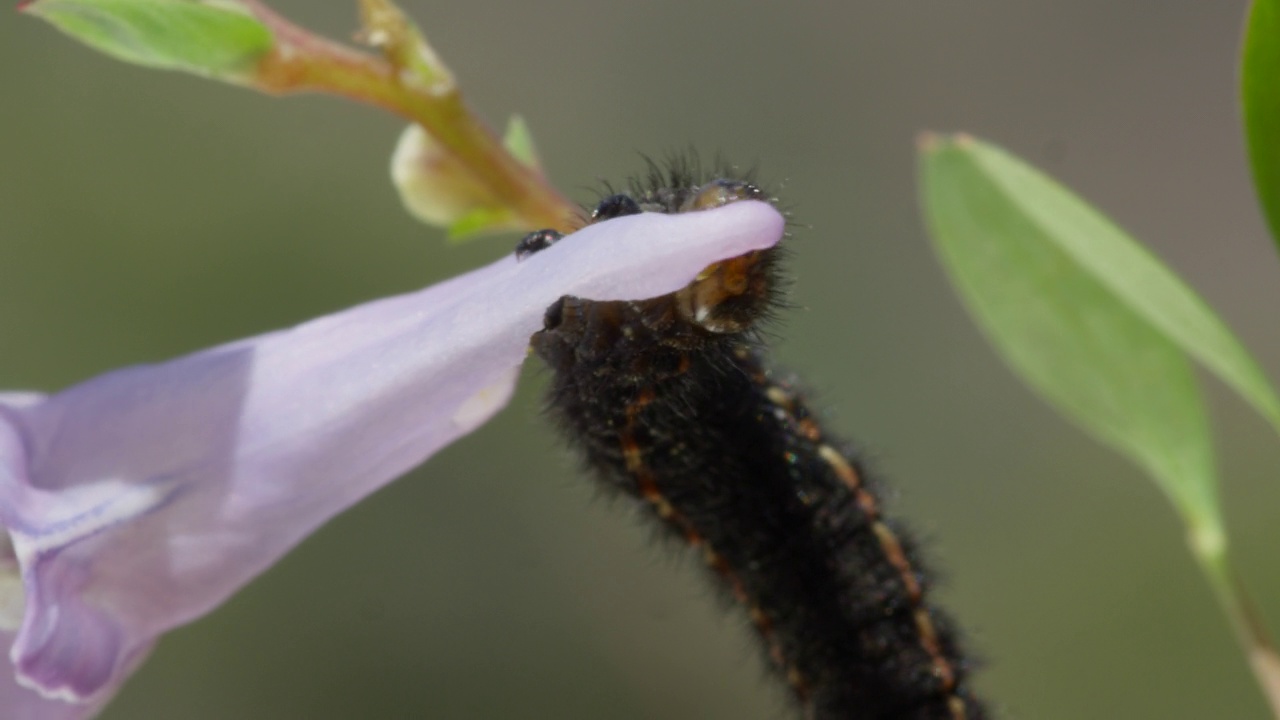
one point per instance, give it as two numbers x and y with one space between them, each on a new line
20 703
142 498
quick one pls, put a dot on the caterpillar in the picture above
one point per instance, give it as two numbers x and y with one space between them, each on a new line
672 402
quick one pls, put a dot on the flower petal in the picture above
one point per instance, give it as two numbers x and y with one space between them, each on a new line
142 498
20 703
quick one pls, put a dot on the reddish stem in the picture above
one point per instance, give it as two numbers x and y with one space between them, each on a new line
304 62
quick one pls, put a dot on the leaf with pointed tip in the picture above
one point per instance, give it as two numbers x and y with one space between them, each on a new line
206 39
1087 316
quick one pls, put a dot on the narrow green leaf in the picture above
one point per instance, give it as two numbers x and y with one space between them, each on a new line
519 142
215 40
1260 96
1130 272
479 222
1086 316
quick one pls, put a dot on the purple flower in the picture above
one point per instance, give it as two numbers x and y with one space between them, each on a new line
141 499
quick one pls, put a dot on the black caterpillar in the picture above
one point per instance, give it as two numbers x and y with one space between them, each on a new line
671 401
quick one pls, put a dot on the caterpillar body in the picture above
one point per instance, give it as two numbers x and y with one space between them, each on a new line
671 401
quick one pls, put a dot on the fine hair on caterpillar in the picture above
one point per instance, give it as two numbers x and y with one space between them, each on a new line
672 402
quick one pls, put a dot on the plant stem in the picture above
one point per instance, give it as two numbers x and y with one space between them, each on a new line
304 62
1250 630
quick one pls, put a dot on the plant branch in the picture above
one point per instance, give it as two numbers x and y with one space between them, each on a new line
301 61
1250 629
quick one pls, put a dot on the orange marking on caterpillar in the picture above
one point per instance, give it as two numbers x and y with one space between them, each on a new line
897 557
842 468
809 430
649 490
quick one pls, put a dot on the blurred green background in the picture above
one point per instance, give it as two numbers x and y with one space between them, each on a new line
145 214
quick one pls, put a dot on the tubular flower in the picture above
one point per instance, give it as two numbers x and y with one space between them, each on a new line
139 500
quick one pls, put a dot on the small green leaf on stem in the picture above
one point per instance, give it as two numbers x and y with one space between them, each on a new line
464 167
519 142
479 222
440 190
212 39
1085 315
387 28
1260 96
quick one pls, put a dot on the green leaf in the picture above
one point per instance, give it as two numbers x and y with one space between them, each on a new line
1088 317
437 188
216 40
519 142
1260 95
479 222
1137 279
